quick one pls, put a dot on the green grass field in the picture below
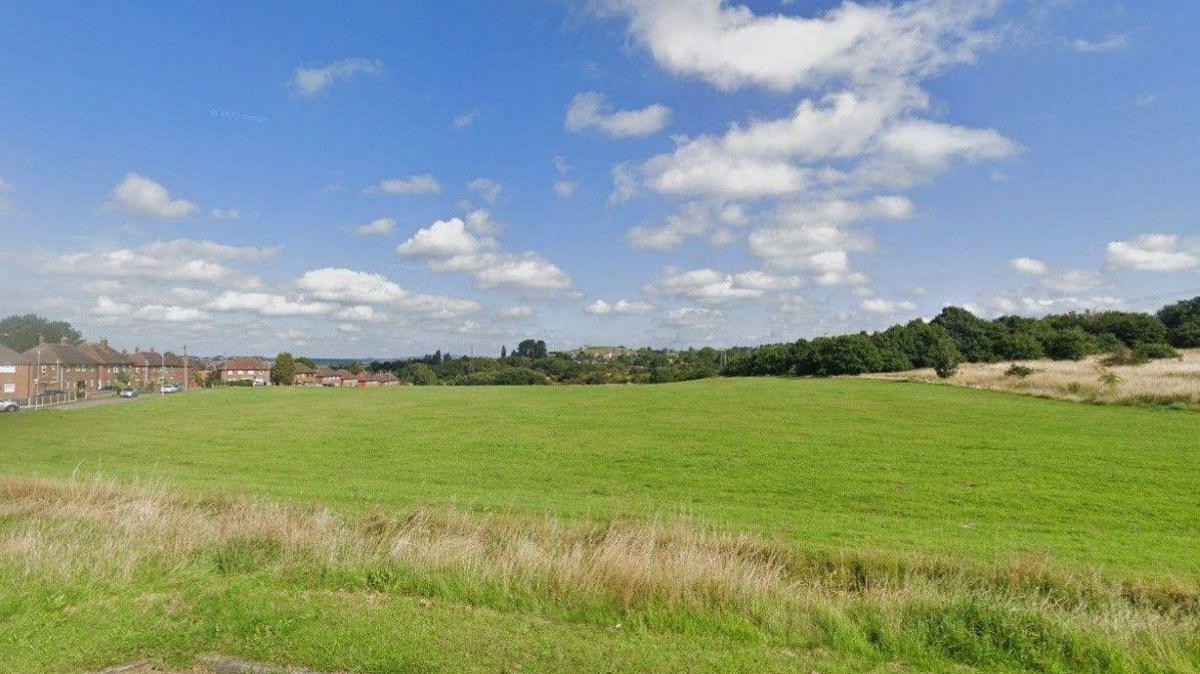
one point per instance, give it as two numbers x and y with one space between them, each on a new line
866 477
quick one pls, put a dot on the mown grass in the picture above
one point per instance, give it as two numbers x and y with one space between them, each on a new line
746 525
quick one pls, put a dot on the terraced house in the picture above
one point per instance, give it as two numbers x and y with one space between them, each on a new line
62 367
245 369
16 374
110 363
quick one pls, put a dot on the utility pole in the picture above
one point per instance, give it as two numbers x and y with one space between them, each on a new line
185 368
162 373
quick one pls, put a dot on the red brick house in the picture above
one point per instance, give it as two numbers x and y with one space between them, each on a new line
345 378
16 375
61 367
149 367
110 363
254 370
387 379
305 376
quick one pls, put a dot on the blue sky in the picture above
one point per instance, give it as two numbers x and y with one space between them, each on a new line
393 178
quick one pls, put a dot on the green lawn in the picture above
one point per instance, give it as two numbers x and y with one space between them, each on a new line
903 470
841 463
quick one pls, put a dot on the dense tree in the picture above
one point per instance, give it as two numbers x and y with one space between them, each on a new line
1070 344
845 354
529 348
20 333
503 352
283 371
306 361
974 337
1182 320
419 373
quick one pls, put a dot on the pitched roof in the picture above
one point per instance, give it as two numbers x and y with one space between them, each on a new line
64 354
104 354
384 377
301 368
344 374
10 357
149 358
173 360
250 363
324 371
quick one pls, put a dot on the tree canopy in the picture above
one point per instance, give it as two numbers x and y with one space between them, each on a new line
20 333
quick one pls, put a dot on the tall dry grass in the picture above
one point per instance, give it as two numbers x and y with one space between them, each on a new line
668 575
1170 381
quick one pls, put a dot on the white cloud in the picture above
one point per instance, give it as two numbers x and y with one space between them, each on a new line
887 307
268 304
415 184
621 307
711 220
486 188
448 246
565 189
348 327
179 260
730 46
625 183
224 214
1110 43
515 312
481 222
1152 252
348 286
590 110
376 227
760 280
106 307
708 285
693 317
1028 265
442 239
141 196
312 81
189 295
1074 281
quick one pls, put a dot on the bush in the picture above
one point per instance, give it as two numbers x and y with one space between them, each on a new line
1124 356
1021 371
974 337
1155 351
1183 323
1070 344
510 376
1019 346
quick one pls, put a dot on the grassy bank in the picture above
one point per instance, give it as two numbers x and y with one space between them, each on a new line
102 573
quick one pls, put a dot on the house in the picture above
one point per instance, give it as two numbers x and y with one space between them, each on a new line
365 379
149 367
326 376
16 375
176 368
254 370
110 363
345 378
387 379
305 376
61 367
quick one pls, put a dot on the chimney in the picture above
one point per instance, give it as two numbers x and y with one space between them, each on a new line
103 341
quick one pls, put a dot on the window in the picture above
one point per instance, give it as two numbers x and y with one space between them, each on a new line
8 369
10 388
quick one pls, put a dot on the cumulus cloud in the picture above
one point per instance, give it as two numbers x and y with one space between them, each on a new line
515 312
106 307
376 227
310 81
488 189
444 238
619 307
1152 252
224 214
137 195
878 305
709 285
268 304
1028 265
415 184
693 317
450 246
179 260
465 119
730 46
351 287
694 219
590 110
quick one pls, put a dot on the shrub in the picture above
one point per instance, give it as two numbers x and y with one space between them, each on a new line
1154 351
1070 344
974 337
1021 371
1019 346
1109 379
1124 356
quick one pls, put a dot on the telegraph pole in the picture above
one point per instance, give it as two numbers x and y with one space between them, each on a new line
185 369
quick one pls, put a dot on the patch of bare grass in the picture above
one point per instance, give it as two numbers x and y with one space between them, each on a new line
1172 382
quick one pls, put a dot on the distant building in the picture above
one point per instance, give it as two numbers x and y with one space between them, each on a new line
254 370
387 379
305 376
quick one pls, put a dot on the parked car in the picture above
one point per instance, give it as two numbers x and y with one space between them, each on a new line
128 393
170 388
9 406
